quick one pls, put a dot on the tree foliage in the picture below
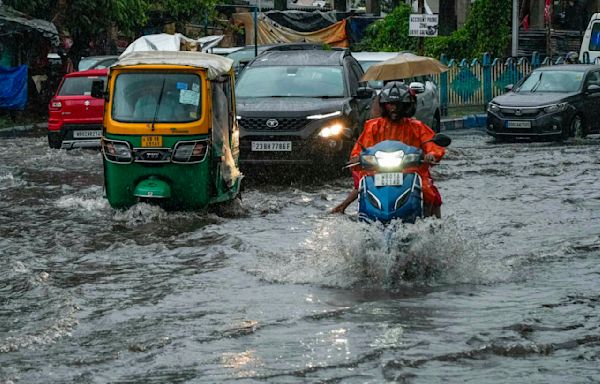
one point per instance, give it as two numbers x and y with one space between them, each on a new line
90 21
487 29
389 34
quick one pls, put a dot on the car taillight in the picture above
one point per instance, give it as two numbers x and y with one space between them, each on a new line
116 151
55 104
190 151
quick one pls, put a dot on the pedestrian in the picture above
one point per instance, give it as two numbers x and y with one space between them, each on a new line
398 105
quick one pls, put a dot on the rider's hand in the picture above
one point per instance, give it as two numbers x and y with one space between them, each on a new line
429 158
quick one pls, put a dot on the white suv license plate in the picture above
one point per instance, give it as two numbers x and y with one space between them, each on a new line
272 146
87 134
388 179
518 124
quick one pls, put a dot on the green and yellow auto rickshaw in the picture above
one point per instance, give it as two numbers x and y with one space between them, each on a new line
170 133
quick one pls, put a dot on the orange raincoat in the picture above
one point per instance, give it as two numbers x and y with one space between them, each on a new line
411 132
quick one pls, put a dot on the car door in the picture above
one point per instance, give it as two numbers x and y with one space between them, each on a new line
591 101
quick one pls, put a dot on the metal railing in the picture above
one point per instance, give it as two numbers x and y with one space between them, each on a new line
474 83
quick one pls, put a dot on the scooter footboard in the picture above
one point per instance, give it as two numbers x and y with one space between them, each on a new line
390 202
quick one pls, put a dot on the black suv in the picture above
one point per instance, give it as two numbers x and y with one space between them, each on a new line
301 107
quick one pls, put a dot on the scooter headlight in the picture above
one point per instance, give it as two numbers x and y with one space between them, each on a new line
116 151
389 159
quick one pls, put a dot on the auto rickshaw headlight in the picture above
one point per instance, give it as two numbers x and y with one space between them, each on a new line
116 151
190 151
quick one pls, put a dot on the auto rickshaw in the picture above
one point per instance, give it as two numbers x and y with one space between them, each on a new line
170 133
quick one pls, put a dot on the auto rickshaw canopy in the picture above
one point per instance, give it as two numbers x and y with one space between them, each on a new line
215 65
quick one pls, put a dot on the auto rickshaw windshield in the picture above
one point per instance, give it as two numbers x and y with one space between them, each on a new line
157 97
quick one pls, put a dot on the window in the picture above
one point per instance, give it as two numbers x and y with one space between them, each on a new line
291 81
157 97
595 38
78 86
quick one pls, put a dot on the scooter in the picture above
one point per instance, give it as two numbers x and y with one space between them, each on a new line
393 189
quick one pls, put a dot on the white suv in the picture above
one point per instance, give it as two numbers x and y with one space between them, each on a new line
428 103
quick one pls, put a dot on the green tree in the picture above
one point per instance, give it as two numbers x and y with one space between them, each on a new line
90 21
487 29
389 34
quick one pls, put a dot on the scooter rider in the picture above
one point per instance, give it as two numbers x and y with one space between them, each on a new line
398 105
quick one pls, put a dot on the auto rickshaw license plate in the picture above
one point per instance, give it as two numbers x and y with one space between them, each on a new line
151 141
388 179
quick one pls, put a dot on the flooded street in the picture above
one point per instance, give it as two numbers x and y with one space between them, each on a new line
504 289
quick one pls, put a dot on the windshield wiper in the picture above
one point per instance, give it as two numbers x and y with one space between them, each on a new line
162 89
535 87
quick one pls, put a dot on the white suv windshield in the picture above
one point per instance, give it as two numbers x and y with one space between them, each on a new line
291 81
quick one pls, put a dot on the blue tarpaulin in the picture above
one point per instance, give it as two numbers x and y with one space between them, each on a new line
13 87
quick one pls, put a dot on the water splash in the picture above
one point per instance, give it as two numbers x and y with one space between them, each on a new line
345 253
9 181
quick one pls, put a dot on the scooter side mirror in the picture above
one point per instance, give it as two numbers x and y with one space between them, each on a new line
441 140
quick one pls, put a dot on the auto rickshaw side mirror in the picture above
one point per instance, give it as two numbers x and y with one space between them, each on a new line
98 89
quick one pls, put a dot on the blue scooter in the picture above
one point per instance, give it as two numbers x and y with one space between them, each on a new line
394 189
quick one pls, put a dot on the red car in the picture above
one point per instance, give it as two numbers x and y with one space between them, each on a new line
75 117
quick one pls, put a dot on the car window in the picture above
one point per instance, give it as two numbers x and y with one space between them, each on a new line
354 75
552 81
78 86
291 81
595 38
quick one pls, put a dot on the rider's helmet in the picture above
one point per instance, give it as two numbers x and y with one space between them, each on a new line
396 92
572 57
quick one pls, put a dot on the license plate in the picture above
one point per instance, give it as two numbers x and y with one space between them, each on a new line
388 179
87 134
518 124
273 146
152 141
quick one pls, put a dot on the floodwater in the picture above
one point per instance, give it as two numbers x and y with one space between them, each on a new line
504 289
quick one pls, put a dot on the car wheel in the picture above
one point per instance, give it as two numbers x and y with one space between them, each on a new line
54 142
577 127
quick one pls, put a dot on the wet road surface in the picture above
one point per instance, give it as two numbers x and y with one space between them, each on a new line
282 292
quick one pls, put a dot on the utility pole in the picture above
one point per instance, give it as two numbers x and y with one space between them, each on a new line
421 39
515 28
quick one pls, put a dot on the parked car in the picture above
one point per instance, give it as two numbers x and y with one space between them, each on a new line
243 56
96 62
74 116
223 51
301 107
428 102
554 102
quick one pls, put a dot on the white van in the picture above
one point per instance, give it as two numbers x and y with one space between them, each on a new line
591 40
